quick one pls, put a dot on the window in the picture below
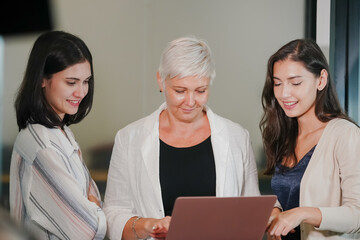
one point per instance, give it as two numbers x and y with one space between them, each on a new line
344 53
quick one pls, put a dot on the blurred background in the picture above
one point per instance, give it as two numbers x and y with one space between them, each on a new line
126 38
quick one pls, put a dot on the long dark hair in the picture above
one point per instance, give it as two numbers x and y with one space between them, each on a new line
279 132
52 52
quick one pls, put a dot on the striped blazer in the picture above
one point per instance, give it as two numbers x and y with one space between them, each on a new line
50 184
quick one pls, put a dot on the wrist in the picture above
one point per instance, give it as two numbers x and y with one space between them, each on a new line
304 213
277 210
136 228
311 215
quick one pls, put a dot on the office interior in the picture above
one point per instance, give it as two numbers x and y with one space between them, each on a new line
126 38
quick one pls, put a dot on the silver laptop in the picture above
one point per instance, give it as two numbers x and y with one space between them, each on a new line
220 218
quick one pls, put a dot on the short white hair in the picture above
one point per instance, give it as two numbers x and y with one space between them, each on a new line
187 56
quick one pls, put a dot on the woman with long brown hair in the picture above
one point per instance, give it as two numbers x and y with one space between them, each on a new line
312 148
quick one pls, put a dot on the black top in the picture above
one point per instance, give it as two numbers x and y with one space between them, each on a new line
286 185
186 171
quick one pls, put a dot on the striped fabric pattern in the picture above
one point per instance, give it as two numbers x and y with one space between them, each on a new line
50 184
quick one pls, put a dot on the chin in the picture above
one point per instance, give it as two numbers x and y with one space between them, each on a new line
71 113
291 115
188 119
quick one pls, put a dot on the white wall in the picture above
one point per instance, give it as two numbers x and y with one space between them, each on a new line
126 38
323 10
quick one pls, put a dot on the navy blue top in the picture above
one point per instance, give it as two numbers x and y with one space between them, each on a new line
285 183
186 171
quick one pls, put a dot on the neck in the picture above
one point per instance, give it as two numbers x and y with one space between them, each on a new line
309 124
176 125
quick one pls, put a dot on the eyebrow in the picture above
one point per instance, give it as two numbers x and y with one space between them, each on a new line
77 79
289 78
205 86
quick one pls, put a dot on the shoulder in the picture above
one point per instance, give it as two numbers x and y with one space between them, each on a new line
140 127
34 134
342 134
31 140
342 127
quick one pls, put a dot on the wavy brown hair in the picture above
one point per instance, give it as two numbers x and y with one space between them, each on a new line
279 132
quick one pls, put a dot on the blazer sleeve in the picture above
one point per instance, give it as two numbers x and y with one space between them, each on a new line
118 204
251 183
346 218
57 204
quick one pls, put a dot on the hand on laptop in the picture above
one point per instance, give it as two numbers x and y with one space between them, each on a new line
281 223
275 212
284 222
158 228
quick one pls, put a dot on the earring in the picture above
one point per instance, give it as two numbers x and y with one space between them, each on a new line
160 90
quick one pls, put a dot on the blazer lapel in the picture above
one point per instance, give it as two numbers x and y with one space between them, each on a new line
150 157
221 151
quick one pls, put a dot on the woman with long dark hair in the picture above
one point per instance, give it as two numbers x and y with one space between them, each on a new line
312 148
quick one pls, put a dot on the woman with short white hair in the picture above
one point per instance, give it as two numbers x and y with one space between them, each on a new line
182 149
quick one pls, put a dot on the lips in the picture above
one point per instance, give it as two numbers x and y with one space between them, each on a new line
74 103
187 110
289 105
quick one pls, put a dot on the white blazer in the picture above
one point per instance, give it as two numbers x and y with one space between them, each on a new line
133 183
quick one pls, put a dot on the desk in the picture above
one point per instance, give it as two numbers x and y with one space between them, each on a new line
4 198
98 175
5 178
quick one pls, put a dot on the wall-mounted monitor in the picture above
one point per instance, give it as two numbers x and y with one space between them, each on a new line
24 16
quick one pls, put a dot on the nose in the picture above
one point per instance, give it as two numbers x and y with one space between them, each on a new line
190 99
285 91
81 91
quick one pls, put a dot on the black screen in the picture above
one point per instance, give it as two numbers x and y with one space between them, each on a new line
24 16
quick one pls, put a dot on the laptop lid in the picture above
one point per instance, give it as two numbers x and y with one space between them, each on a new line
220 217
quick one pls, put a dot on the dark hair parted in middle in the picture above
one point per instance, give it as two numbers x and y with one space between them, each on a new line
279 132
53 51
